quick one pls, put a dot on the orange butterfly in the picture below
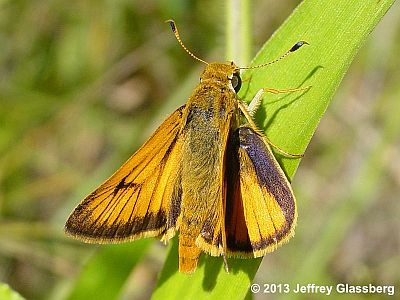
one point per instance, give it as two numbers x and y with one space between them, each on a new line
205 173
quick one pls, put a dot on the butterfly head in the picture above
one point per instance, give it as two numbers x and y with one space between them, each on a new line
228 73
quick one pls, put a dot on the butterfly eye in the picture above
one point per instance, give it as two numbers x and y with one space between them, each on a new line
236 82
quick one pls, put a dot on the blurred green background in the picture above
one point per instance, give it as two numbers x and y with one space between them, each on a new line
83 83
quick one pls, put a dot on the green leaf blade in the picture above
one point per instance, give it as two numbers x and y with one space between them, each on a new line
335 31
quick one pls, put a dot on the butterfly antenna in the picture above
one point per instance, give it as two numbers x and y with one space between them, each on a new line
294 48
176 32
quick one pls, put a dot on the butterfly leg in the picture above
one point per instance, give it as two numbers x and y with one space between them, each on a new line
250 110
255 103
226 266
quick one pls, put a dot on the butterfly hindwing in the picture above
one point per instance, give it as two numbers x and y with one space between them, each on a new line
261 208
141 199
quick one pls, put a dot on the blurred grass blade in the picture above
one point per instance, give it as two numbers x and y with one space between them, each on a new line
104 276
238 31
335 31
6 293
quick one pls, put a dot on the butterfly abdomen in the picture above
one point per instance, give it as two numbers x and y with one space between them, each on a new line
188 251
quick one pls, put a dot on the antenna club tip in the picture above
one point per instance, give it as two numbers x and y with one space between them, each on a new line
298 45
171 24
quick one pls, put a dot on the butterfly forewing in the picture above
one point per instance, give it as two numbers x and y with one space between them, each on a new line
141 199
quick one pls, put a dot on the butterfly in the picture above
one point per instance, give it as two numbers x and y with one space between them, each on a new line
207 172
